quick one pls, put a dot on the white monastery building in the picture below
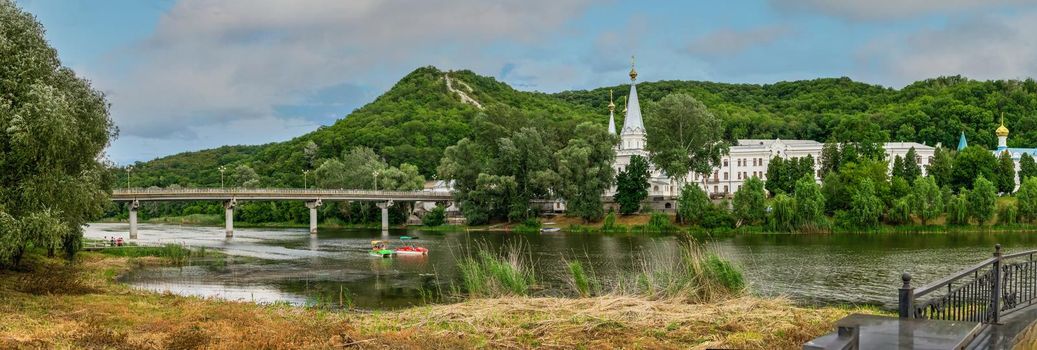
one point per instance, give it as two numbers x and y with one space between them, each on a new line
746 159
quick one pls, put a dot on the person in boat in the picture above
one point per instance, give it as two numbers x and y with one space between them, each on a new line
377 246
118 242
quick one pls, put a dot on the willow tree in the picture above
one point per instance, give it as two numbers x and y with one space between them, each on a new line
684 136
54 128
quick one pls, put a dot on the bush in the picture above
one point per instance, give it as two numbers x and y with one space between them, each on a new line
527 226
958 209
435 217
694 275
660 222
1007 214
717 216
900 213
609 224
783 213
982 200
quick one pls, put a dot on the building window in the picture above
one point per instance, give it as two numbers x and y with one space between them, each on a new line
725 162
715 189
725 188
725 175
669 205
739 176
655 188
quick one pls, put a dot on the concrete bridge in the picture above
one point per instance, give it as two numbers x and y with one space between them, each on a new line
230 197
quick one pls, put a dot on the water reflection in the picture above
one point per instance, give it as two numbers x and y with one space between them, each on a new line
291 265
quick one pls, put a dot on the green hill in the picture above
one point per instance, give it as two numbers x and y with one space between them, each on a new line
420 116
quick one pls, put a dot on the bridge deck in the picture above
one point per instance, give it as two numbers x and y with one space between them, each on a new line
187 194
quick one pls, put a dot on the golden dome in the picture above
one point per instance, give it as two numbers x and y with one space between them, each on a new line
612 105
1002 131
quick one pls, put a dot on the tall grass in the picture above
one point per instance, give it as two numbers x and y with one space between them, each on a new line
692 273
582 281
488 274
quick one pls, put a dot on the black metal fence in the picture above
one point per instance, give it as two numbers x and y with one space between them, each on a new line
982 293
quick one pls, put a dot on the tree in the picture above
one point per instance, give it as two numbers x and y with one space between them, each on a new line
1005 173
970 164
526 156
926 199
958 208
829 158
54 128
244 176
489 199
776 170
1027 167
897 167
311 152
783 213
749 202
692 204
684 136
982 200
331 174
1026 200
810 202
404 178
435 217
942 167
362 167
584 171
632 185
866 207
910 169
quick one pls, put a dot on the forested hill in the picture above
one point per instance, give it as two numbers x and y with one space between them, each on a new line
421 115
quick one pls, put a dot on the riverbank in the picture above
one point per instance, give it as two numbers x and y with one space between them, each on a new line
52 305
624 224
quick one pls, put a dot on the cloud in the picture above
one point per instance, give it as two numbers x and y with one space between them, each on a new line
888 9
983 47
238 62
729 42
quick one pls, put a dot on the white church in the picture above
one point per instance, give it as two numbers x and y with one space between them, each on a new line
746 159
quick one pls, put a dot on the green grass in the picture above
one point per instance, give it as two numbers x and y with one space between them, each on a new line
488 274
175 254
582 282
692 273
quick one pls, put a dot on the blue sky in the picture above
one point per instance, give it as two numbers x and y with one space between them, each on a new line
192 74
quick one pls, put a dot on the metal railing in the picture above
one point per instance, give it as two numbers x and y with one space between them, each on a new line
981 293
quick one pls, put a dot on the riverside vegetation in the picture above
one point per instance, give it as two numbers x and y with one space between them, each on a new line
692 299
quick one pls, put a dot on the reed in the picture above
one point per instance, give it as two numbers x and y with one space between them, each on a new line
488 274
692 273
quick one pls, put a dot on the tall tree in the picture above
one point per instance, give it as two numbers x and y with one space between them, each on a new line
54 128
1005 173
632 185
911 170
584 171
866 207
898 167
1027 167
749 202
982 200
830 158
942 167
311 152
525 156
972 163
1026 200
926 199
810 202
776 170
244 176
692 204
684 136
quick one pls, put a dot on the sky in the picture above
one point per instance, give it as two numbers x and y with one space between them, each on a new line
184 75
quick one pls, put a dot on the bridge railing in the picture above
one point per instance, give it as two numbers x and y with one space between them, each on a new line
983 292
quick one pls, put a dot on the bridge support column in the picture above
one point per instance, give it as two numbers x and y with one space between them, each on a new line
133 218
313 215
229 205
385 214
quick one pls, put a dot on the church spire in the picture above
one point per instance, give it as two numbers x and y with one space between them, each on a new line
612 118
633 123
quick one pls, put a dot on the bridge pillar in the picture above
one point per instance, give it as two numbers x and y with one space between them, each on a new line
229 205
385 214
133 218
313 214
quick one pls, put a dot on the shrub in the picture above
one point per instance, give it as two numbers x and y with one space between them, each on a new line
485 274
435 217
900 213
1007 214
783 213
958 209
693 274
659 222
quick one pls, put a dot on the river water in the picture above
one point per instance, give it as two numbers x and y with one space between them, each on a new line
288 265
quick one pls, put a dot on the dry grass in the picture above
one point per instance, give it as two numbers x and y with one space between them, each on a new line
111 316
610 322
1027 339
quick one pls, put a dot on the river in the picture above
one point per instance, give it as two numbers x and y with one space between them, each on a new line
288 265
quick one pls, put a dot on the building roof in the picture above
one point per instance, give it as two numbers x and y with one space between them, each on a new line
962 142
905 145
633 122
